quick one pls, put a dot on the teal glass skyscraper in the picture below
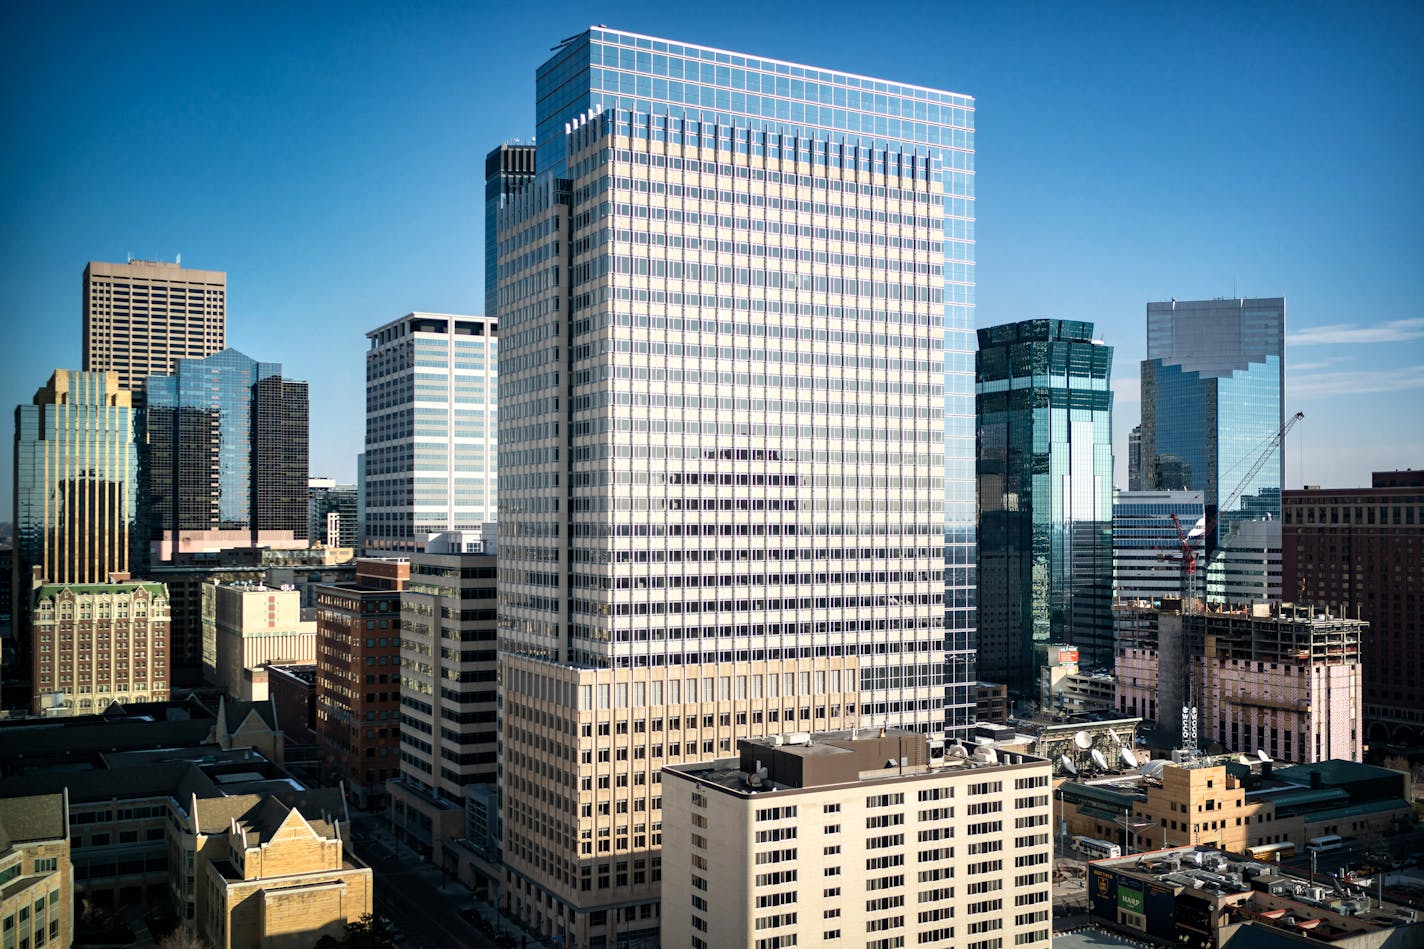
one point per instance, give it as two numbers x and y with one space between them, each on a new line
1213 390
1045 498
735 423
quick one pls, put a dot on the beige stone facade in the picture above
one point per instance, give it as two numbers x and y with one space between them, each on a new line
274 878
857 839
247 625
99 643
36 877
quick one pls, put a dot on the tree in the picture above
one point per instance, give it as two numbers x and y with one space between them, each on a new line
368 932
181 938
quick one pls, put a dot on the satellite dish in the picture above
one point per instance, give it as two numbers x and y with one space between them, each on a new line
1261 754
1113 735
991 756
1099 760
957 750
1128 758
1083 740
1068 764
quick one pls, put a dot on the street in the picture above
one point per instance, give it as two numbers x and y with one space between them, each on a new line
410 892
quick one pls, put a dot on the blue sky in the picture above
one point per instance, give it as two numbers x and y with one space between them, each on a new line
329 158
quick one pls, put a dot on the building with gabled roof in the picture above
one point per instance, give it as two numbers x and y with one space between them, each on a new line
36 877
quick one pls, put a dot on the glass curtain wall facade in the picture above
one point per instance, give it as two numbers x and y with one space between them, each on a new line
507 169
431 383
76 484
1147 551
1045 498
227 448
729 300
1213 393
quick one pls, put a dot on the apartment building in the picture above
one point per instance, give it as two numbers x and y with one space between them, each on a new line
97 643
857 838
358 677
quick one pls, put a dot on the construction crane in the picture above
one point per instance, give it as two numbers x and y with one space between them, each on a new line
1190 561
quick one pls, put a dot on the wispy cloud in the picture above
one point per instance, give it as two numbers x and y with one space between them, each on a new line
1295 367
1358 382
1127 389
1394 331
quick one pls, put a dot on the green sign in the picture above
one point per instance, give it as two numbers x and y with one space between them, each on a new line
1130 900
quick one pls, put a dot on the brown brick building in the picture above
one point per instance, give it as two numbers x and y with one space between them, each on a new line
1360 552
358 677
36 877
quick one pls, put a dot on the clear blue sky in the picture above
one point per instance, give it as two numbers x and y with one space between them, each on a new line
329 158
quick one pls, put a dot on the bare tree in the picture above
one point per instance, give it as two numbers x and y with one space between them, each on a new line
182 938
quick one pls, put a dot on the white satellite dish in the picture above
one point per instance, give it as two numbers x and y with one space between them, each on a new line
991 756
1128 758
1099 760
1113 736
1083 740
1261 754
1068 764
957 750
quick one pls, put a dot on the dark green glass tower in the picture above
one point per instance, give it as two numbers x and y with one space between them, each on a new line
1044 468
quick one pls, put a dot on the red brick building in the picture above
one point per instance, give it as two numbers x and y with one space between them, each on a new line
358 678
1360 552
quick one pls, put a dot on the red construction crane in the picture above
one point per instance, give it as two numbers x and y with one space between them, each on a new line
1190 561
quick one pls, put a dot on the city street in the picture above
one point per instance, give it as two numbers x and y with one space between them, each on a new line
411 893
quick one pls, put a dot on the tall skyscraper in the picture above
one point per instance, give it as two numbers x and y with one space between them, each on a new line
1045 498
331 513
1213 391
508 168
725 300
1134 459
226 461
430 410
1360 552
141 317
76 485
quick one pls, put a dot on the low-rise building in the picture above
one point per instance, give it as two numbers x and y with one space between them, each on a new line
245 627
1064 689
857 839
97 643
1235 806
991 702
1201 898
1279 678
36 877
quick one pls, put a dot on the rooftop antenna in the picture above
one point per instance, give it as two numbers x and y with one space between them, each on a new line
178 259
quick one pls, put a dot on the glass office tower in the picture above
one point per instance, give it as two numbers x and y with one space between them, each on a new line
728 302
226 458
1147 550
430 429
1045 498
1213 391
76 484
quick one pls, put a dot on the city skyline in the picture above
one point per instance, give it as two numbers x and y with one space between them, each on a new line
294 180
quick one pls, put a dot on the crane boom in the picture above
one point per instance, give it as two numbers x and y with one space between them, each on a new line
1189 557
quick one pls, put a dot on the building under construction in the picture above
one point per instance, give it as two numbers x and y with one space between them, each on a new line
1279 678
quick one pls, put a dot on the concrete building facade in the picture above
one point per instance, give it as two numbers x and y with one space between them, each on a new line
858 838
245 627
448 692
1147 550
141 317
1282 679
98 643
1360 551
